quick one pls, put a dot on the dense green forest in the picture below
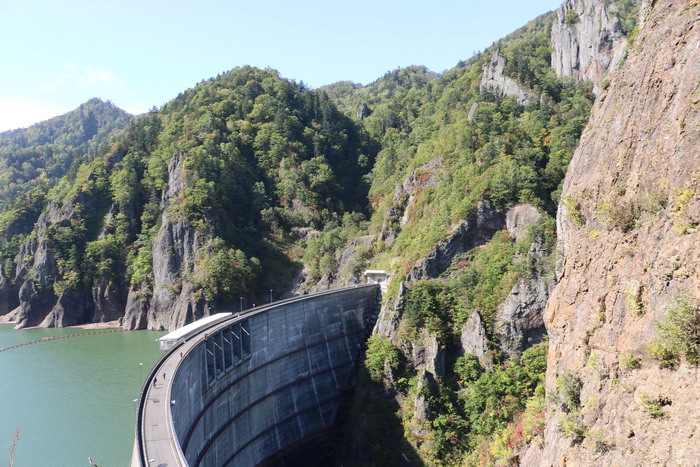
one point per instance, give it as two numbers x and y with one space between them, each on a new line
35 159
274 179
263 156
56 147
260 156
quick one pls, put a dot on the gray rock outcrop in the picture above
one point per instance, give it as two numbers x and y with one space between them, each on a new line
427 354
587 41
36 295
172 303
363 111
74 306
493 80
464 236
519 320
519 218
473 338
9 299
108 301
389 318
136 312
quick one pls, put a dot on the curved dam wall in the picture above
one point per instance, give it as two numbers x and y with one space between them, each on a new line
267 381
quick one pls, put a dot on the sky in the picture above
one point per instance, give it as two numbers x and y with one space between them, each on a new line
55 55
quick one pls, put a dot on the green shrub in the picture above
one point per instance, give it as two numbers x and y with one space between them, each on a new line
681 222
486 279
655 407
499 394
380 351
629 362
666 357
568 394
573 211
224 273
427 306
141 267
634 301
679 333
572 17
467 369
599 443
623 216
571 425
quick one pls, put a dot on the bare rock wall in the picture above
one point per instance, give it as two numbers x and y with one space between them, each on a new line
628 228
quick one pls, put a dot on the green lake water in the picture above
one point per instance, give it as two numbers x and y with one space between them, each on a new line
72 398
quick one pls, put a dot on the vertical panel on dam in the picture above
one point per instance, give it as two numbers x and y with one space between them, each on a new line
271 381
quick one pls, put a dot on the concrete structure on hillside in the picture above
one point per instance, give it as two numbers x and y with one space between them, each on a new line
378 276
250 388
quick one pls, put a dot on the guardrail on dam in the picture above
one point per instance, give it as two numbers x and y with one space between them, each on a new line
256 385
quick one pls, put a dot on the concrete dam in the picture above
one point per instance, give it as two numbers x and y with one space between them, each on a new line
252 386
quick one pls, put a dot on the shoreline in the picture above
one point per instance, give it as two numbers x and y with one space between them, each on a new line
105 325
87 326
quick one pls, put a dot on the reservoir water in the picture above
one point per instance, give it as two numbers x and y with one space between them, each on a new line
72 398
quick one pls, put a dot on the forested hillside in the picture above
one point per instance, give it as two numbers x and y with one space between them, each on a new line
250 183
56 147
235 166
456 156
462 202
35 159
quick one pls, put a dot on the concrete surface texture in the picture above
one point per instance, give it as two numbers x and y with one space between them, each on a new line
257 385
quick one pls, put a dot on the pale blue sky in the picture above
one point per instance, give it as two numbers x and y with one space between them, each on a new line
55 55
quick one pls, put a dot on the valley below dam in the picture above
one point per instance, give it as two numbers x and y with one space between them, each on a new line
74 397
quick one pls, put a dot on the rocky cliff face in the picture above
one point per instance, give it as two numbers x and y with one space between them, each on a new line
629 233
518 324
172 303
587 41
495 81
9 299
36 272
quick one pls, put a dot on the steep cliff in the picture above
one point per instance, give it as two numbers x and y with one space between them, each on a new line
587 40
494 80
623 319
176 246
